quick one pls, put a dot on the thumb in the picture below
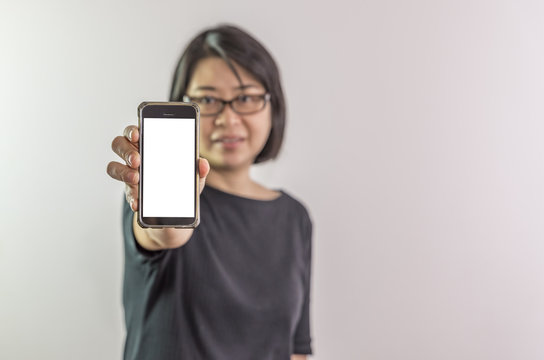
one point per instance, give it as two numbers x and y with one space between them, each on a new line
203 170
203 167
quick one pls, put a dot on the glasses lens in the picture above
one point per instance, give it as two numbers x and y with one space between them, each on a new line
245 104
209 105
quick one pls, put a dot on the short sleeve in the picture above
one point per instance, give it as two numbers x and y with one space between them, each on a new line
303 340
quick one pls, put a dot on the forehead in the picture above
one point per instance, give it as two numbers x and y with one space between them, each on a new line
215 72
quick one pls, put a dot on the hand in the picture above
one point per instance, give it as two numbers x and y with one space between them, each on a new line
127 148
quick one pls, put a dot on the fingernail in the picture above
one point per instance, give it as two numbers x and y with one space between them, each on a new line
128 160
132 203
130 134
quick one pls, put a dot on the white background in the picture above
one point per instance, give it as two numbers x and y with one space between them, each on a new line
414 137
169 168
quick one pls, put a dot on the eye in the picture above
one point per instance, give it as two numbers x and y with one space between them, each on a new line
207 100
245 98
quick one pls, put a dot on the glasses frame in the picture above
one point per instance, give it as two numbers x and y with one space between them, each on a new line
265 97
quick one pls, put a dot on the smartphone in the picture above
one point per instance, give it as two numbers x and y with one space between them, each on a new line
169 149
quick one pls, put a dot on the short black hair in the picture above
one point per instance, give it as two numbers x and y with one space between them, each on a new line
235 45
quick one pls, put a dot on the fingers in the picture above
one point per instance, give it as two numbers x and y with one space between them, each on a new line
126 150
131 179
132 133
123 173
131 195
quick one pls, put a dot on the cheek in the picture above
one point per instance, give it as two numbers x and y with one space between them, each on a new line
205 133
261 128
265 132
267 129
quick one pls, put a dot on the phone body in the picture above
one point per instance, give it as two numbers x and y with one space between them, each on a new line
169 149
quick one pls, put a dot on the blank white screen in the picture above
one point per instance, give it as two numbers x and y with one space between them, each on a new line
168 167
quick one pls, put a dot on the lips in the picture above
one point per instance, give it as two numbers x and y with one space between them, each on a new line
229 139
230 142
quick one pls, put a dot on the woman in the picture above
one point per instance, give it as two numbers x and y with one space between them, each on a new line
237 286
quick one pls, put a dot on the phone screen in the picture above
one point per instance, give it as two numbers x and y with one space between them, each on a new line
168 174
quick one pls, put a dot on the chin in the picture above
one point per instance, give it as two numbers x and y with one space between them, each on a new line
230 162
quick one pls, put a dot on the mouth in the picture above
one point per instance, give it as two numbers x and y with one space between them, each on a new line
229 141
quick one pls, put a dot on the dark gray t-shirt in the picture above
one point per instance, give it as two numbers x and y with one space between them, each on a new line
239 289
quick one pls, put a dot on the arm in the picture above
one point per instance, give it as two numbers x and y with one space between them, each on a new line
302 338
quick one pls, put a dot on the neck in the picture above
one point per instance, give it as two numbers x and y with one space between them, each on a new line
235 181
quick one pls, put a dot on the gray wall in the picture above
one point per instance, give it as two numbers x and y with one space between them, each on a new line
414 137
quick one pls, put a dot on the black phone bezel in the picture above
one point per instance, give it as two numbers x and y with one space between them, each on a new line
167 110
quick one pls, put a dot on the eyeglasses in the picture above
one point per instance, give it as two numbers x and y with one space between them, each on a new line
242 104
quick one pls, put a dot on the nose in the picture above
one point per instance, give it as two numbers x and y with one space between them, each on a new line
227 116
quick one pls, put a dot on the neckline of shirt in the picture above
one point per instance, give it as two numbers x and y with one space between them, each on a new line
280 196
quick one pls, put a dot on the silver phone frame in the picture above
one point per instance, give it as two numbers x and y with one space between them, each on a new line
197 155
